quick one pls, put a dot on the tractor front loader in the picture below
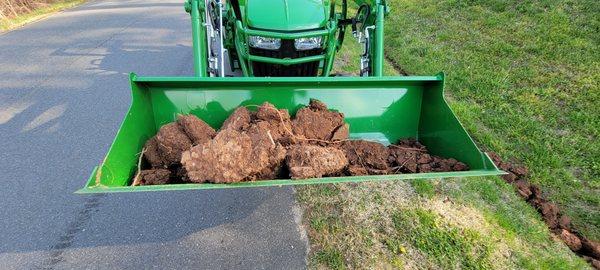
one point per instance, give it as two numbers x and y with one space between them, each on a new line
282 52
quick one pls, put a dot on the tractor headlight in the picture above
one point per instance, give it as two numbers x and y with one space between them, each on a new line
303 44
264 42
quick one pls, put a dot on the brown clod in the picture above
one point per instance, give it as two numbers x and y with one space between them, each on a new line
197 130
239 120
310 161
152 154
523 189
510 177
317 105
590 248
277 122
495 157
317 123
425 168
426 158
172 141
549 213
505 166
234 156
595 263
521 171
571 240
459 166
357 170
536 191
155 177
341 133
564 222
370 155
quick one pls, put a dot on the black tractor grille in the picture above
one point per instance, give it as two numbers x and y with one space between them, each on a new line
287 50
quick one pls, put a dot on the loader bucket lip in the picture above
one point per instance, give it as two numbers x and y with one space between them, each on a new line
155 101
135 78
92 188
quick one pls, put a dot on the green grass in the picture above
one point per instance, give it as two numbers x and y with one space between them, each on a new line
522 76
442 243
475 223
22 19
523 79
331 258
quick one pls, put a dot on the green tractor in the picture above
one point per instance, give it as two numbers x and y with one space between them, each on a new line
283 38
282 52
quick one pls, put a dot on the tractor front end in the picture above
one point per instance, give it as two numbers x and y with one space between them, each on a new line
275 38
289 38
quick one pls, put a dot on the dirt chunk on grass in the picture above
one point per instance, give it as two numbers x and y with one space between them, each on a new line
238 120
234 156
310 161
155 177
590 248
571 240
197 130
550 214
365 157
317 122
172 141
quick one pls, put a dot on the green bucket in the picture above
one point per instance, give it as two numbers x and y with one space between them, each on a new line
382 109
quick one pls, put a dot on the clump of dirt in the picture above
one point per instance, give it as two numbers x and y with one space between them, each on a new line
365 157
152 154
268 144
197 130
163 151
277 123
238 120
558 223
234 156
310 161
155 177
572 241
172 141
317 123
410 156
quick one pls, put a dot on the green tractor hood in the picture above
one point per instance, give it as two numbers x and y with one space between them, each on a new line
286 15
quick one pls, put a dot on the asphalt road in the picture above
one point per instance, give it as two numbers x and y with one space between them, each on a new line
63 93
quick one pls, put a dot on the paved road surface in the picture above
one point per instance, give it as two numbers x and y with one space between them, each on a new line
63 93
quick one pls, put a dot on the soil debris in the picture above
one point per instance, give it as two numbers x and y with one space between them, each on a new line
172 141
365 157
558 223
239 120
277 122
197 130
152 154
316 122
571 240
155 177
410 156
234 156
268 143
310 161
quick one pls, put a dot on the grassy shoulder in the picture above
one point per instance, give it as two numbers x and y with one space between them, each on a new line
476 223
9 23
523 81
523 78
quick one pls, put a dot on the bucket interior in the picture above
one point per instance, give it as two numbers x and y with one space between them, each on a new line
377 109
